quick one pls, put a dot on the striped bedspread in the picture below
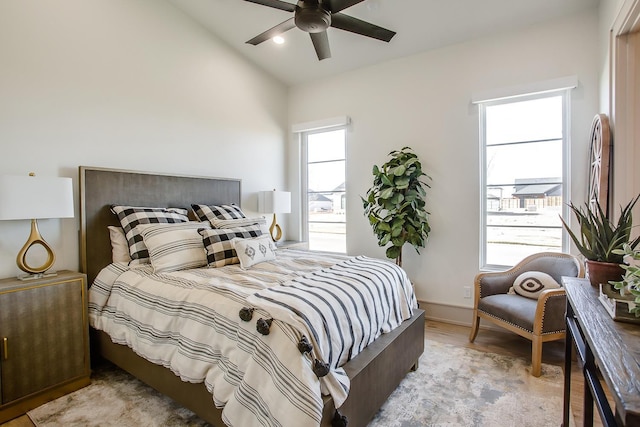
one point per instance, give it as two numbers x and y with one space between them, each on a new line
188 321
341 309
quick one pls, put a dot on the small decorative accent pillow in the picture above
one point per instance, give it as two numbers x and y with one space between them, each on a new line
211 213
531 283
119 246
174 247
253 251
131 216
217 243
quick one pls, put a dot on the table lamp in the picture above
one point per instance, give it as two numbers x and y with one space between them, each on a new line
31 197
274 202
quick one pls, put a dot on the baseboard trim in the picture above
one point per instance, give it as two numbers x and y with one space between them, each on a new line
452 314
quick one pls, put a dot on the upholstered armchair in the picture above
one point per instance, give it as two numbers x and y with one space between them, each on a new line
538 319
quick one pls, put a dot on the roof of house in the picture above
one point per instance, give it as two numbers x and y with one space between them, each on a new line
538 190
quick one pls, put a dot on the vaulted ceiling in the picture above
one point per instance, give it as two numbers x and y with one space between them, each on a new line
420 25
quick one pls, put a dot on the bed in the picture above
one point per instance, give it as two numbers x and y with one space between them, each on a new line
373 374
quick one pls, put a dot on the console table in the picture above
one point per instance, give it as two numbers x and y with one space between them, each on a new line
608 351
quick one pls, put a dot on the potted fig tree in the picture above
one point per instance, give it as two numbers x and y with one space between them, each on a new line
601 241
395 204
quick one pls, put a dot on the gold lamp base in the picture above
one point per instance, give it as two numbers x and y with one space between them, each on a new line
275 230
35 238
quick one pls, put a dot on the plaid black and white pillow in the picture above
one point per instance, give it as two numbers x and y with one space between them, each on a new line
131 216
217 243
211 213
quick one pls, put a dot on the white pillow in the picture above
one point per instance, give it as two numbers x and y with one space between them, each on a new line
174 247
119 245
531 283
253 251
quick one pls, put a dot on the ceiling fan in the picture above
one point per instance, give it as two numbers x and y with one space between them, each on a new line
314 17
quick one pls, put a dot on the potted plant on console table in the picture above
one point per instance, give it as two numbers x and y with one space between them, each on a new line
601 242
630 284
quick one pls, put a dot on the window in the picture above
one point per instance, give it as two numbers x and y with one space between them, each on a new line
524 147
324 166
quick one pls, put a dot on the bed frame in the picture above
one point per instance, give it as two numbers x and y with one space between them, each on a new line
374 373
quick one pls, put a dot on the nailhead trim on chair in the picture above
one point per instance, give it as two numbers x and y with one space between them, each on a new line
518 326
545 310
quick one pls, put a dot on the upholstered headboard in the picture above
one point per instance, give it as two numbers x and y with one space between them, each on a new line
100 188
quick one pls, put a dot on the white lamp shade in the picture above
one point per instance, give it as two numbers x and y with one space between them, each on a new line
35 197
274 201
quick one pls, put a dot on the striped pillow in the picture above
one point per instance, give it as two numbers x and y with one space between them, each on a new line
232 223
174 247
131 216
241 222
211 213
219 247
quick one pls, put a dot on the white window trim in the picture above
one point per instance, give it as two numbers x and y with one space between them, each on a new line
324 124
565 90
303 130
531 89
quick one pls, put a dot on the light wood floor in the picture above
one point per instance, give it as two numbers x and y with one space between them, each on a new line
492 341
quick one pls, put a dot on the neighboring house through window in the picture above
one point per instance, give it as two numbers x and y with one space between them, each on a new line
524 170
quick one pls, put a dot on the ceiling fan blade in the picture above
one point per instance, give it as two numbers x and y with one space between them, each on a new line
276 4
355 25
336 6
321 43
271 33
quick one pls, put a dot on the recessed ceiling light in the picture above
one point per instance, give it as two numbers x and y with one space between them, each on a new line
278 40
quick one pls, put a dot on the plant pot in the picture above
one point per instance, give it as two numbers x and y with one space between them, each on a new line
602 272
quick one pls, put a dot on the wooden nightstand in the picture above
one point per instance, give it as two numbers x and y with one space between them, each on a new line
44 341
292 244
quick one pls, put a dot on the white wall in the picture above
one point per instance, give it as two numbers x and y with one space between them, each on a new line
129 84
423 101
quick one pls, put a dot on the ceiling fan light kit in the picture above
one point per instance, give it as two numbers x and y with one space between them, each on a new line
315 17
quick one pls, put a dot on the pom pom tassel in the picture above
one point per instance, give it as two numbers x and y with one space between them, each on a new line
339 420
263 326
320 368
304 345
246 313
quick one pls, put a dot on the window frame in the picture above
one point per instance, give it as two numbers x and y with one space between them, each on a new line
304 176
565 93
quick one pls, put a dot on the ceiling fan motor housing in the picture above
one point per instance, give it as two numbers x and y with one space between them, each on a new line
312 17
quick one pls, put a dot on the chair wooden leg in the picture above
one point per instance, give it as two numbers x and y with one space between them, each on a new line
474 326
536 356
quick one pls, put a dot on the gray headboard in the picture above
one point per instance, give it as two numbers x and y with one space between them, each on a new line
100 188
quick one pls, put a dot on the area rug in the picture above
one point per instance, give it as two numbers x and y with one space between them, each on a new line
454 386
457 386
